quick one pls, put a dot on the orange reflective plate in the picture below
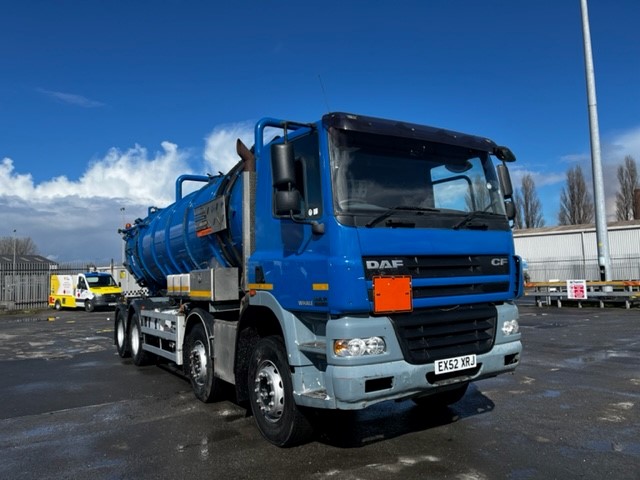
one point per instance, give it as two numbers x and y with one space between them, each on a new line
392 294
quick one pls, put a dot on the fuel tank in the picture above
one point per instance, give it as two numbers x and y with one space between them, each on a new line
199 230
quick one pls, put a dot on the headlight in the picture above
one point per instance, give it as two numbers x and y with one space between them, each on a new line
358 347
510 327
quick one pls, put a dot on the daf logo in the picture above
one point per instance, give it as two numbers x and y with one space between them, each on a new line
499 262
382 264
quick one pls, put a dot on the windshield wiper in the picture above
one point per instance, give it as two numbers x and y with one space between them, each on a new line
399 208
466 221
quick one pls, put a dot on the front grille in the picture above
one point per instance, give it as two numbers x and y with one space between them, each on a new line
445 266
456 275
463 289
110 298
434 334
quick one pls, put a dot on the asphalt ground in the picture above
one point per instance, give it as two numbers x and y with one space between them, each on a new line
70 408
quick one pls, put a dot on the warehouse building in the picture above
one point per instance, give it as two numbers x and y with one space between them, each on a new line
571 252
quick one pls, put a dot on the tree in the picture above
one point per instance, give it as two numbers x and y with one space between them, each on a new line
528 206
576 206
24 246
628 180
518 221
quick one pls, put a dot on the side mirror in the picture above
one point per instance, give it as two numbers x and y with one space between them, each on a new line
505 181
282 166
287 202
287 198
510 210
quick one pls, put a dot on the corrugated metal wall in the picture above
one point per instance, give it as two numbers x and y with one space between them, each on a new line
565 253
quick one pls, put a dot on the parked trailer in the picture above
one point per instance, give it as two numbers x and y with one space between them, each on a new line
346 262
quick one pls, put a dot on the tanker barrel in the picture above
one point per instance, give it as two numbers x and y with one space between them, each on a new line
201 229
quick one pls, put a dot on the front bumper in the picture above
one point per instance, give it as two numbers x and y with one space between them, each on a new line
355 383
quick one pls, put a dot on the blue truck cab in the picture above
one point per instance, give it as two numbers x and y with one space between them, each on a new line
386 251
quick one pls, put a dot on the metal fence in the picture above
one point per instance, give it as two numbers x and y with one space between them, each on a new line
622 268
26 285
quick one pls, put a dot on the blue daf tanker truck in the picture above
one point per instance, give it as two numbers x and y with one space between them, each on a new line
339 264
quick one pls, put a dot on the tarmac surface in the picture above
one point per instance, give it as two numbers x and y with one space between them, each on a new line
70 408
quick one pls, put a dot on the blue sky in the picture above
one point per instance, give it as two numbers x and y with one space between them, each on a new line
103 104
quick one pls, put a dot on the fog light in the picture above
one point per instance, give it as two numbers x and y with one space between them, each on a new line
510 327
358 347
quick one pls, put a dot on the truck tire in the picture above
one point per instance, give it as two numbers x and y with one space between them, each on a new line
199 364
140 356
57 305
89 306
120 336
442 399
271 396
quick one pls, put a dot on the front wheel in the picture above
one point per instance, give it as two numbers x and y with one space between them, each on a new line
271 395
89 306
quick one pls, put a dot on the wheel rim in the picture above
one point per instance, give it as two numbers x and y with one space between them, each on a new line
269 391
198 363
135 339
120 333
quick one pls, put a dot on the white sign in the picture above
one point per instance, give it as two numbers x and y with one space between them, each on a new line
576 289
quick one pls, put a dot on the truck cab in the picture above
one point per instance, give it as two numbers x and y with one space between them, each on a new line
389 246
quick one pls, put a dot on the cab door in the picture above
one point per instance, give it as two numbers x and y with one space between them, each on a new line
291 258
82 290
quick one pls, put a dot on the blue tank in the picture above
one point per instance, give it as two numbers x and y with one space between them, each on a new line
181 237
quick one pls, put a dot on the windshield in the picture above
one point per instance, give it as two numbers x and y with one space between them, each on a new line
101 281
377 177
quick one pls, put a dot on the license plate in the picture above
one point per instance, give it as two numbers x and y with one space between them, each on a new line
448 365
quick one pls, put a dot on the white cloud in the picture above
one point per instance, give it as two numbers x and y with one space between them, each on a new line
540 178
220 145
78 220
132 175
73 220
621 145
71 99
576 158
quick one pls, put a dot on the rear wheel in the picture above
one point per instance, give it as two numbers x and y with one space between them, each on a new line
443 399
271 395
57 305
122 342
140 357
199 363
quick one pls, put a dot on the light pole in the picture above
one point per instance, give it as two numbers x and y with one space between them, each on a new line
602 236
